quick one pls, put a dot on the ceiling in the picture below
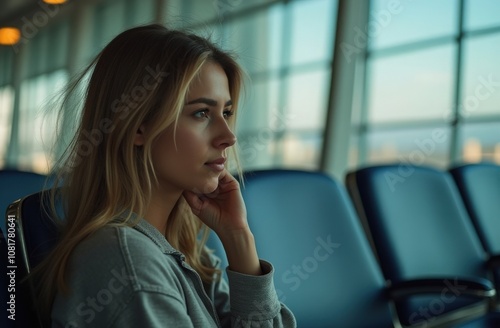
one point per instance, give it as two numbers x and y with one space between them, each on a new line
12 10
16 12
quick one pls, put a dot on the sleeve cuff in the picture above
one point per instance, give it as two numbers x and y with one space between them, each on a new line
253 297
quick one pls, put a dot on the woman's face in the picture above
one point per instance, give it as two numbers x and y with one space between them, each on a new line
194 157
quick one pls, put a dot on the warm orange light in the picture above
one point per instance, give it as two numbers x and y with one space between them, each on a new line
472 151
496 153
54 2
9 35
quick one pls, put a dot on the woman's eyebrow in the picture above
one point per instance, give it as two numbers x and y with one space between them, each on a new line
208 101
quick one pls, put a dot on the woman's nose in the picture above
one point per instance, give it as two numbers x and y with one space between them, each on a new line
225 137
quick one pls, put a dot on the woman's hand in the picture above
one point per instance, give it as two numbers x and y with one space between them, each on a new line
224 212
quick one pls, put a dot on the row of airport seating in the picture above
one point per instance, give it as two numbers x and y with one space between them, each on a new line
395 246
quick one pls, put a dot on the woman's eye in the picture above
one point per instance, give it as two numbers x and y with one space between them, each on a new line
201 113
228 113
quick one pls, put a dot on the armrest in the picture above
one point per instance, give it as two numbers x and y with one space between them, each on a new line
493 262
478 287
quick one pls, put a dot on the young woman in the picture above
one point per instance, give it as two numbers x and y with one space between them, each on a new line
144 175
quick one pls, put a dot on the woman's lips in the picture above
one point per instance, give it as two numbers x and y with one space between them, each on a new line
217 165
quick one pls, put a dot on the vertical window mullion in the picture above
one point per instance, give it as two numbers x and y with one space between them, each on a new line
456 120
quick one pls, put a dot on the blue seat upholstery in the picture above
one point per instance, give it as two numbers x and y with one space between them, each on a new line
420 230
305 225
16 184
35 234
215 245
479 186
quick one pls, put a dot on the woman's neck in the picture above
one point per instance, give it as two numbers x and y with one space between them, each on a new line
161 206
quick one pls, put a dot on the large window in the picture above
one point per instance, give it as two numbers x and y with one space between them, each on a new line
432 84
284 46
430 91
6 105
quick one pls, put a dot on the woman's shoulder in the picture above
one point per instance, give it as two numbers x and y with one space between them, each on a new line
123 250
109 269
111 242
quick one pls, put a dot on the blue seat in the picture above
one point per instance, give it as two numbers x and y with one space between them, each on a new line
35 234
479 186
16 184
420 229
305 226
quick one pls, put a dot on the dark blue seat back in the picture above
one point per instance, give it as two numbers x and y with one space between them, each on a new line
305 225
214 244
40 231
479 186
15 185
35 236
420 229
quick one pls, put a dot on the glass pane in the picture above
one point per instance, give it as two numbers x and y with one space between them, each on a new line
353 159
187 14
399 22
301 150
6 103
425 146
307 99
260 107
259 124
172 13
481 79
417 85
275 31
36 93
58 45
312 34
257 150
256 39
109 22
6 58
184 14
227 7
37 53
296 149
140 12
480 142
481 14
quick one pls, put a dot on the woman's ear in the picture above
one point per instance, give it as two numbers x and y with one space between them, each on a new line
139 136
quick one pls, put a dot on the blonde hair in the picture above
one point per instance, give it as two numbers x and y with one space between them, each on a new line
141 77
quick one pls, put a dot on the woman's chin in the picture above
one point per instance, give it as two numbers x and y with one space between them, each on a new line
207 188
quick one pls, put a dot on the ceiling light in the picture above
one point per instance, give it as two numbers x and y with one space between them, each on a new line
9 35
54 2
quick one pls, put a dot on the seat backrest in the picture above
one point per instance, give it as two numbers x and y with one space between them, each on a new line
419 227
418 222
479 186
305 225
15 185
35 236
